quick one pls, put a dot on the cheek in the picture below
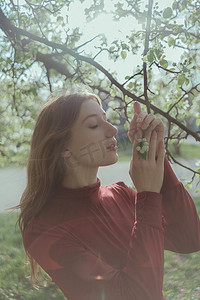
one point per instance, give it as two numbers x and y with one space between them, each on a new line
89 136
88 141
91 150
80 142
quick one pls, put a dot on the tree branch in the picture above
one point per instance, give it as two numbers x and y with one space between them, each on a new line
13 32
162 113
87 42
167 70
50 63
180 164
146 49
181 98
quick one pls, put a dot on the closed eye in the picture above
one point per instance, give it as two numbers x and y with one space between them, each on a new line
94 126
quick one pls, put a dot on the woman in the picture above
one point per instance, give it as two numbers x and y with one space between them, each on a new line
102 242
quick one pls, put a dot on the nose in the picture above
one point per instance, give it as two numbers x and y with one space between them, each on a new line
111 130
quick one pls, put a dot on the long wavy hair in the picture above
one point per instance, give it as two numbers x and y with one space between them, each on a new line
46 167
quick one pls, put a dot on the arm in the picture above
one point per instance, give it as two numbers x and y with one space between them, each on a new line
180 218
181 221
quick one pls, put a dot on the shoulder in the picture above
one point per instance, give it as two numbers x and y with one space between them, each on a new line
120 187
119 191
43 233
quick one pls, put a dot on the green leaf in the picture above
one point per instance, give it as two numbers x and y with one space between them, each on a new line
198 122
163 63
187 35
150 56
175 5
113 93
137 33
158 22
145 59
167 13
123 54
171 41
188 186
181 79
187 81
184 69
59 19
124 46
9 60
130 85
158 53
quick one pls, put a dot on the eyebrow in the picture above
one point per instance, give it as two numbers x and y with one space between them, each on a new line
93 115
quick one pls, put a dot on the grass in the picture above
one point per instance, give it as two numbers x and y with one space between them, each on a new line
182 271
14 275
188 151
181 279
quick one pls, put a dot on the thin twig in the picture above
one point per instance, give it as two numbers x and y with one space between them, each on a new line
146 49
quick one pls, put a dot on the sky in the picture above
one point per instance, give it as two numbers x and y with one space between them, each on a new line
113 30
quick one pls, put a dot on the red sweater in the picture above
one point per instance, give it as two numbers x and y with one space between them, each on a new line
107 242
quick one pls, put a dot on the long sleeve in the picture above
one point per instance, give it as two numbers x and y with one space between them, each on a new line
83 274
180 219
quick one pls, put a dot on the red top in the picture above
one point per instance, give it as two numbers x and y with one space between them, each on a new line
107 242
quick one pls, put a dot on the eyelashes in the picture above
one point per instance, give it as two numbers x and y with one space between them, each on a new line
95 126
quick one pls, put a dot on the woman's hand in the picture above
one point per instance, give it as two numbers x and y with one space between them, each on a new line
145 123
147 175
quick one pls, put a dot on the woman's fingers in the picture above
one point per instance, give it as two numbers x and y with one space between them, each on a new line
147 121
140 122
152 147
143 124
147 174
140 119
133 124
161 153
156 124
132 128
134 154
137 108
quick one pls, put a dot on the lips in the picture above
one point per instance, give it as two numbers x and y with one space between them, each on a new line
112 145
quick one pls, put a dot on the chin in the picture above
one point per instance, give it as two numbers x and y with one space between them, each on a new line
110 161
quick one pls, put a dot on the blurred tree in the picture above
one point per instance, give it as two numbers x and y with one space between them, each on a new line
39 49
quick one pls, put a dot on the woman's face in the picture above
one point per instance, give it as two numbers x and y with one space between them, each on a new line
91 136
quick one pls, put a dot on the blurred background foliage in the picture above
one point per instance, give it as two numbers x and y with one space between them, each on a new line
143 51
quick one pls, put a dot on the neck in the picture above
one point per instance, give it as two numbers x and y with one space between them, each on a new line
80 177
